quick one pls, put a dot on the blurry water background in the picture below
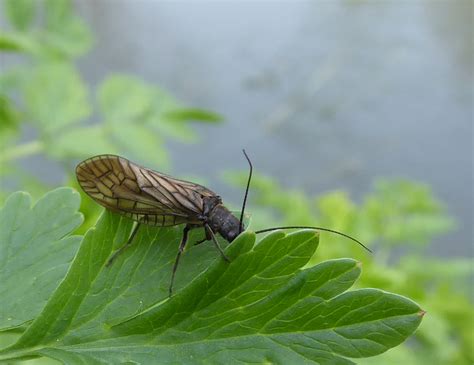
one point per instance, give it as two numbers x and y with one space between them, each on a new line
323 94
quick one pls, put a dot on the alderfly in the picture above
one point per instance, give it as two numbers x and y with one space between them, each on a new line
152 198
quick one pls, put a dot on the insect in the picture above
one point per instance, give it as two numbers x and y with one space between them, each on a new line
152 198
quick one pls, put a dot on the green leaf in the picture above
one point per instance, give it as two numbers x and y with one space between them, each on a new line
136 280
72 39
140 144
20 12
9 116
172 129
127 100
35 251
62 36
261 307
58 12
173 122
65 35
404 212
124 98
18 42
13 78
82 142
184 114
56 97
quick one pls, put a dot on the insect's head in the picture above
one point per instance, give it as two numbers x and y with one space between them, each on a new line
232 235
234 231
223 221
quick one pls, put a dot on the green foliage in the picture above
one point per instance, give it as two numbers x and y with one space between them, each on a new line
95 309
47 91
62 91
35 250
401 212
9 117
46 30
20 13
265 305
396 214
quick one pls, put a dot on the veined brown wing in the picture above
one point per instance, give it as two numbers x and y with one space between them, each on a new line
141 194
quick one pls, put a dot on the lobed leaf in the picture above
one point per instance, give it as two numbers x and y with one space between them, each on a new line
124 98
58 87
93 297
83 141
138 143
20 13
35 251
143 112
263 306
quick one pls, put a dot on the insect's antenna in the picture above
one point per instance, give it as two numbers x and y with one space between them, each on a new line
241 228
319 229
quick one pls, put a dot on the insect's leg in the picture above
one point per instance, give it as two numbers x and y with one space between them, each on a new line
216 243
207 237
182 245
121 249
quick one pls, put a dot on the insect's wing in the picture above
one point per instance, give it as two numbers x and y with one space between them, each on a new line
183 195
138 193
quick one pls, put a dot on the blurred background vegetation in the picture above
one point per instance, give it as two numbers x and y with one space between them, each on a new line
55 111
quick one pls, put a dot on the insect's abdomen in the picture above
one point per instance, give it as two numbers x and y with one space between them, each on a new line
224 222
